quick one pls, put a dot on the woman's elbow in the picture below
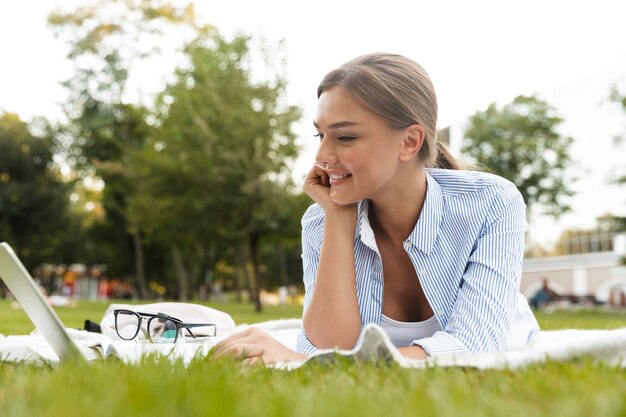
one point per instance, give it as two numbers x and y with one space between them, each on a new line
344 337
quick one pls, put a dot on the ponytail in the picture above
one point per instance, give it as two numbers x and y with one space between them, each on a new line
444 159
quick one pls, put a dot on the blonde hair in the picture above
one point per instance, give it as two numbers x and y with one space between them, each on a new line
399 91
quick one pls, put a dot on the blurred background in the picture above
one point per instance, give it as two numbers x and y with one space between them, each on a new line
156 149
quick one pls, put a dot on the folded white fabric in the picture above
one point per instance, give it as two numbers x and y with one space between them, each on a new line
34 349
554 345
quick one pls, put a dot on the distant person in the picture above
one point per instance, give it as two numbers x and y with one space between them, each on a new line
399 235
543 296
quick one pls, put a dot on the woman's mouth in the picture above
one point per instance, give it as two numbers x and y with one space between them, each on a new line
337 179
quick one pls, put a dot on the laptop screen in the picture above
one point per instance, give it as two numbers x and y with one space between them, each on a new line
27 293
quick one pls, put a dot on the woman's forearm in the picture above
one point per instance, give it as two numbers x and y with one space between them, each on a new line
413 352
332 318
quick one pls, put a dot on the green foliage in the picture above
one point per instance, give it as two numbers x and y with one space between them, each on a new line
282 250
127 28
196 176
106 39
224 140
215 167
34 210
520 142
618 95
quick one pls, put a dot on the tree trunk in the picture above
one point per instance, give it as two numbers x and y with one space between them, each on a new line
139 266
253 241
204 273
282 266
181 274
242 278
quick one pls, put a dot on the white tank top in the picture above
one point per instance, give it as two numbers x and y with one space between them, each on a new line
402 333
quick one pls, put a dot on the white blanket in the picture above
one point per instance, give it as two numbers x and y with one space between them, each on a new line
33 348
556 345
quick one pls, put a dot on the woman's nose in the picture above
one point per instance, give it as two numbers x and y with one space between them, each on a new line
325 153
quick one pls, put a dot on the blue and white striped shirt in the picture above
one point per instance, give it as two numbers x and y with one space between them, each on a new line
467 249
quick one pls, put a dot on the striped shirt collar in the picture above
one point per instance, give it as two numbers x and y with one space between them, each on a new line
425 231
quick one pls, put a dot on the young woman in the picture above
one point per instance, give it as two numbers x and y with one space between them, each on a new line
399 235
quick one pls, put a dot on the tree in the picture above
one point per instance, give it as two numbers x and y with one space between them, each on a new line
520 141
618 96
282 249
106 39
34 211
217 163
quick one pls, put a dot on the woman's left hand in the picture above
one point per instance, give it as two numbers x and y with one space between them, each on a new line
255 346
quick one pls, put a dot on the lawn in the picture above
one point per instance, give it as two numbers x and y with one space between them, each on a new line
14 321
224 388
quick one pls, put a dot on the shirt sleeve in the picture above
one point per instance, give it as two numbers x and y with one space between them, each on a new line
486 302
312 234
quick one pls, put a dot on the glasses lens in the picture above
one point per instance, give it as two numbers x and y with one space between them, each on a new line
162 330
127 324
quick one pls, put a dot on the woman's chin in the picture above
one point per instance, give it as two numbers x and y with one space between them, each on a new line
342 199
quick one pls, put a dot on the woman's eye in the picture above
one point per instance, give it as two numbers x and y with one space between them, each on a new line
320 136
346 138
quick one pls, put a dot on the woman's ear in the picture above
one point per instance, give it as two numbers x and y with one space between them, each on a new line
412 142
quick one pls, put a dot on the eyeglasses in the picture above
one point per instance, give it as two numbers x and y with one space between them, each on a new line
160 327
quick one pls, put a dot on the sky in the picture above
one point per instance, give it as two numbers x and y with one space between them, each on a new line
476 52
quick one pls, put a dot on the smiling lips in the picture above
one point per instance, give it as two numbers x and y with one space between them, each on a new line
336 179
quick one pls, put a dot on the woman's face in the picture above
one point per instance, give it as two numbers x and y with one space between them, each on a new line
361 153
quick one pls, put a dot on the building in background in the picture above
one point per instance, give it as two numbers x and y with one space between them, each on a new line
589 270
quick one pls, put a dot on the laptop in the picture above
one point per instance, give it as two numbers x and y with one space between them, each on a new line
26 292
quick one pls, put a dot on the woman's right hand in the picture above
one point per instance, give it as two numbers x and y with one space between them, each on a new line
317 186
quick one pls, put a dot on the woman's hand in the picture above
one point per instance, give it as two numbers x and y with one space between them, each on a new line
255 346
317 186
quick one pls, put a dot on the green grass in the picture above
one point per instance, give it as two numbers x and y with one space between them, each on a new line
15 321
581 319
224 388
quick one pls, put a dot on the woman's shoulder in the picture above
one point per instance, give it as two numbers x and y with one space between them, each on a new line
313 216
458 182
468 193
